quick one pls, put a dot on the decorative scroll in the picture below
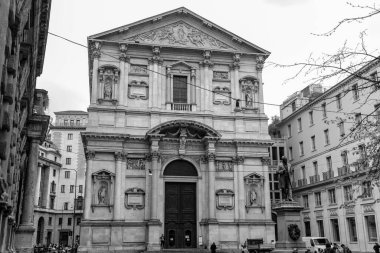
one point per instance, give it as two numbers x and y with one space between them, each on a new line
138 69
134 198
221 75
138 90
222 96
135 164
225 199
102 195
254 190
224 166
180 34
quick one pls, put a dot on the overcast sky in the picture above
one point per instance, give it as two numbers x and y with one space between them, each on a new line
282 27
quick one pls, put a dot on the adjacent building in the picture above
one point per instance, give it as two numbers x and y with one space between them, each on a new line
329 164
23 123
177 139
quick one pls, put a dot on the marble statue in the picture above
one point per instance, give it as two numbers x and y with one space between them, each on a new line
103 194
108 89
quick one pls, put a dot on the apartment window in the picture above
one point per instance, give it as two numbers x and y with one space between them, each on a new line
180 89
344 157
362 151
50 221
315 167
301 148
355 91
327 139
69 148
341 128
366 189
311 118
324 111
290 130
307 228
321 229
68 161
69 136
338 102
65 122
294 107
54 172
318 201
69 220
313 142
59 221
67 174
62 189
329 163
51 202
332 198
374 78
78 122
78 220
80 190
352 229
303 172
299 124
290 153
72 122
358 118
335 230
305 201
371 227
348 195
66 205
71 188
52 187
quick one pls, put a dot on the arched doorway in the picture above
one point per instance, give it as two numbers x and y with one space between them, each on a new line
180 206
40 231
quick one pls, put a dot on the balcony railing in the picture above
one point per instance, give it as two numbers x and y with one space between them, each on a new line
328 174
302 182
344 170
314 179
181 107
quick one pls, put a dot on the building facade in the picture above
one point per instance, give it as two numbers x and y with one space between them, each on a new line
177 139
23 123
328 164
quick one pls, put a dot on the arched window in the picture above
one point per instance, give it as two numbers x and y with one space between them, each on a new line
40 231
180 168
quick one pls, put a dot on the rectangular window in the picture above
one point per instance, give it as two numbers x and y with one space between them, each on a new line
68 161
305 200
65 122
371 227
290 130
311 118
329 163
180 89
66 205
54 172
335 230
59 221
78 220
51 202
72 122
299 124
348 194
321 229
324 111
69 220
355 92
344 157
362 152
69 148
315 167
78 122
313 142
80 190
69 136
71 188
318 201
332 199
62 189
341 128
290 153
301 148
303 172
326 134
352 229
50 221
67 174
294 107
367 189
307 228
358 118
338 102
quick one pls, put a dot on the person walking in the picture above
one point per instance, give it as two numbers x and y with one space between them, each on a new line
376 248
162 239
213 248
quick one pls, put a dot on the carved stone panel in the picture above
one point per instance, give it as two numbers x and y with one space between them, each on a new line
138 69
221 76
135 164
222 96
102 196
224 166
134 198
138 90
225 199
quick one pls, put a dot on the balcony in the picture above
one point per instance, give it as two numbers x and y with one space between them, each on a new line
328 174
344 170
314 179
181 107
302 182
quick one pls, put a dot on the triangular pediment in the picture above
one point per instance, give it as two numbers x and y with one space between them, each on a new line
179 34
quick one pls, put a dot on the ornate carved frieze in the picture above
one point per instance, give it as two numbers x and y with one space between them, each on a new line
138 69
134 198
179 34
236 61
225 199
265 160
211 156
222 95
224 166
254 191
221 75
135 164
333 212
102 196
138 90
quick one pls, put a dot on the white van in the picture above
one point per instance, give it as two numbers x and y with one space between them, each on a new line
315 244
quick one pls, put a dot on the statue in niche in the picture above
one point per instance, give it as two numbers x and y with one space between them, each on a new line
108 89
103 193
252 197
284 180
248 99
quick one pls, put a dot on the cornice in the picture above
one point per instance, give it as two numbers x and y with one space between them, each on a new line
105 136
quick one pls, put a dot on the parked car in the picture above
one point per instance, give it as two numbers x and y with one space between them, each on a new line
315 244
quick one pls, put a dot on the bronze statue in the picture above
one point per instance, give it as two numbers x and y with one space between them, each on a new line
284 180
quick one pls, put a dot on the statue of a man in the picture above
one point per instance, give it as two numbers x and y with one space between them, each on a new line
102 194
284 180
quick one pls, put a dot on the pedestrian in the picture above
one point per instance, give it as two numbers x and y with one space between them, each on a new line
328 249
213 248
376 248
345 249
162 238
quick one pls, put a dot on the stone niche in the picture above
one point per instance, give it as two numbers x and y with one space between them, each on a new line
254 192
108 84
102 195
249 88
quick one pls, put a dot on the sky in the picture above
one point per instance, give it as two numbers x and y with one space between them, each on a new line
283 27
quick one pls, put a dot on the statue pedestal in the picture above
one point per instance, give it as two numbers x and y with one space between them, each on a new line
289 227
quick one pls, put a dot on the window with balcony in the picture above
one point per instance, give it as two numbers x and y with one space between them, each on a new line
332 198
69 148
324 111
352 229
321 230
335 230
370 223
313 147
311 118
180 89
348 193
327 138
301 148
355 92
305 201
367 189
299 124
338 102
318 200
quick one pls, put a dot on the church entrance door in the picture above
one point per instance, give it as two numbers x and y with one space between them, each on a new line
180 215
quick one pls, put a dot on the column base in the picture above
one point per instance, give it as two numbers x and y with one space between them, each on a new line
154 232
24 238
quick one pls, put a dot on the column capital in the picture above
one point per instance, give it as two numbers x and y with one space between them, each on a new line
123 53
153 155
95 49
193 71
90 155
211 156
119 156
236 61
156 55
207 59
239 159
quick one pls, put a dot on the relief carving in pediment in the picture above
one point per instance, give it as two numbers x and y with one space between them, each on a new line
180 34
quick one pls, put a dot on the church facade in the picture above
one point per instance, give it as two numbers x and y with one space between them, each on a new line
177 139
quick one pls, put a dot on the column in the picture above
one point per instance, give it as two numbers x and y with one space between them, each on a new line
154 186
265 165
235 90
168 89
118 196
236 189
240 161
211 185
90 156
30 183
193 100
96 55
123 74
38 185
150 83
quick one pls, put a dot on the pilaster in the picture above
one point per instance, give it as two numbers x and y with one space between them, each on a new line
124 69
236 189
241 206
118 196
168 89
38 185
259 67
90 156
95 66
193 88
211 171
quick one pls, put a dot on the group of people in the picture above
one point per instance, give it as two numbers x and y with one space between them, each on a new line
55 248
